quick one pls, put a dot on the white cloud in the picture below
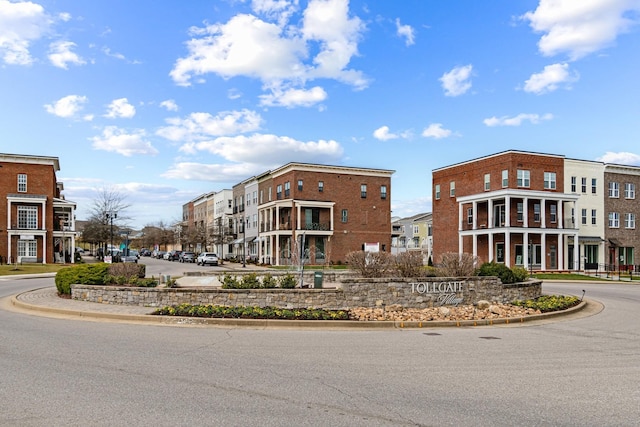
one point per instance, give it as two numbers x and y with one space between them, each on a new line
436 131
21 24
228 172
270 149
621 158
550 79
517 120
170 105
294 97
383 134
199 126
405 31
278 55
581 27
60 54
67 107
120 108
456 82
117 140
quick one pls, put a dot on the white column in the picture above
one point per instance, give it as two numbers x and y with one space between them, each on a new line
475 245
543 250
525 250
560 214
277 227
490 214
525 212
490 246
331 219
507 212
507 248
543 214
459 216
576 251
460 248
475 215
298 215
561 262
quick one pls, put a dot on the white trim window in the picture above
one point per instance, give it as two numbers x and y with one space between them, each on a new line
629 190
574 181
594 186
22 183
523 178
452 189
553 213
27 248
437 191
550 180
614 190
469 215
594 214
28 217
584 217
629 220
614 220
584 185
487 181
505 178
536 212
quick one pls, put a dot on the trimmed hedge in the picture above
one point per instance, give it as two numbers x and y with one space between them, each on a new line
504 273
86 274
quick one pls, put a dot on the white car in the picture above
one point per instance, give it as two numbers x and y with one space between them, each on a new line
207 258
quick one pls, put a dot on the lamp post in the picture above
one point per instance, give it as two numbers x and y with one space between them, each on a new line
110 216
244 241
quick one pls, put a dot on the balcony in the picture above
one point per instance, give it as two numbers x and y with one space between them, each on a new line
317 226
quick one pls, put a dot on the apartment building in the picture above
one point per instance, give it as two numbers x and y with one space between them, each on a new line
509 207
322 212
413 233
622 209
39 222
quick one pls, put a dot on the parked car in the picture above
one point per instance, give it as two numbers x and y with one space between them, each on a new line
174 256
187 257
207 258
158 254
166 255
145 252
132 256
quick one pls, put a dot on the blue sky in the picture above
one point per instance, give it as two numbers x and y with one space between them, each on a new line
162 101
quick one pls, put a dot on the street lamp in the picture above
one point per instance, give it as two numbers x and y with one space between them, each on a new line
110 216
244 240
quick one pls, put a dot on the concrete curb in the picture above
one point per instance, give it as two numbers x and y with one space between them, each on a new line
584 309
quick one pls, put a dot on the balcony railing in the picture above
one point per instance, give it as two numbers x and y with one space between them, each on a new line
318 226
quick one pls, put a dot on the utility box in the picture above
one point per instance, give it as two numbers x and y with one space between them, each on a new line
317 279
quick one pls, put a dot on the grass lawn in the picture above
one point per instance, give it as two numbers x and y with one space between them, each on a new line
566 276
10 269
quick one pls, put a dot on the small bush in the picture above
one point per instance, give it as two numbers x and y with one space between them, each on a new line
129 270
504 273
84 274
269 282
371 264
409 264
548 303
240 312
288 281
454 264
250 281
229 282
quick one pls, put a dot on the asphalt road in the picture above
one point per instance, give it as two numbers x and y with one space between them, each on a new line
583 372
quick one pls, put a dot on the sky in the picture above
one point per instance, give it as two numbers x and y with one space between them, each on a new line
162 101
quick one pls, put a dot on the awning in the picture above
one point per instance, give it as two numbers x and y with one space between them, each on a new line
590 239
238 241
615 242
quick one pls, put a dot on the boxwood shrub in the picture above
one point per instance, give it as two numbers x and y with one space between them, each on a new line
85 274
504 273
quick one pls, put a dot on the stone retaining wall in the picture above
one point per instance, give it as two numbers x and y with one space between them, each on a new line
359 292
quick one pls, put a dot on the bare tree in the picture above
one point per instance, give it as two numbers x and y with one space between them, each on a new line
458 265
107 211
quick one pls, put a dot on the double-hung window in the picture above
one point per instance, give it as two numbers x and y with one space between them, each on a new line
614 220
22 183
523 178
437 191
549 180
383 192
344 215
505 178
487 182
573 184
452 189
287 189
614 190
536 212
629 190
593 216
469 215
584 185
553 213
594 186
629 220
363 191
584 217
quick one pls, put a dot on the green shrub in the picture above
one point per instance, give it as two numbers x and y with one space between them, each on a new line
83 274
269 282
520 274
547 303
504 273
288 281
242 312
229 282
250 281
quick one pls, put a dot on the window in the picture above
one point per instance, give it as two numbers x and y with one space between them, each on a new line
553 213
499 215
279 191
505 178
629 190
261 196
452 189
614 190
27 248
584 185
320 186
28 217
629 220
437 191
429 230
584 216
383 191
469 215
594 186
487 182
614 220
345 215
573 184
536 212
550 180
248 199
299 185
363 191
255 197
22 183
416 229
520 211
593 216
524 178
255 220
287 189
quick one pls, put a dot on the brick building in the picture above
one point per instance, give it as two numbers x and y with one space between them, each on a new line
329 211
40 223
509 207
